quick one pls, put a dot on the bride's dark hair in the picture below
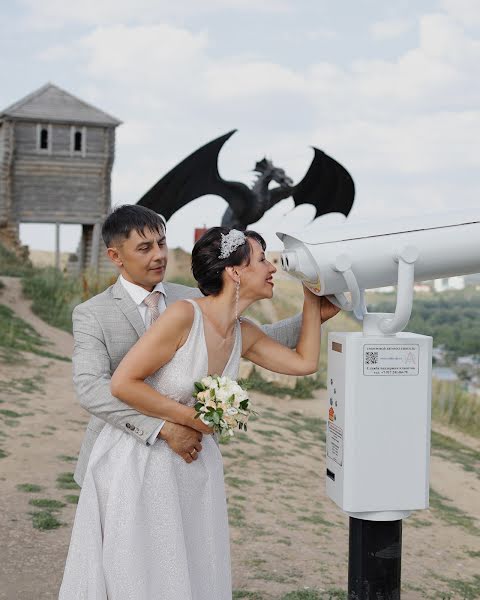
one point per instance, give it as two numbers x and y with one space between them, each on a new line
207 268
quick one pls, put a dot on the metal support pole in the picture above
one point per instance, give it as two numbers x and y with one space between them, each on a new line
374 561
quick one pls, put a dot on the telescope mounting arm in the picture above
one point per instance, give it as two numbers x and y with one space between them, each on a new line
379 323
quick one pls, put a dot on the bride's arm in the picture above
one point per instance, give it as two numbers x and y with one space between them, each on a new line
153 350
263 351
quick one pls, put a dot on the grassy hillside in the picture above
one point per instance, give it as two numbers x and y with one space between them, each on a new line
451 318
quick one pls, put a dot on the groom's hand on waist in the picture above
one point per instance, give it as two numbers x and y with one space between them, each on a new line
182 440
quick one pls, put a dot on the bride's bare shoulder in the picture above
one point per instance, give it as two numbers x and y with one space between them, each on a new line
173 324
181 311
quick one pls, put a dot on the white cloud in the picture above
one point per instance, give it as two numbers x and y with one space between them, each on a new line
440 73
235 79
386 30
467 12
141 53
391 122
135 132
411 145
53 14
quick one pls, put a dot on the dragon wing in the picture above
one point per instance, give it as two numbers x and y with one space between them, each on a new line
197 175
327 185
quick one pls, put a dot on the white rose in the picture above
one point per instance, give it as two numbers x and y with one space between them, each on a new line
222 395
207 381
236 389
231 421
231 410
202 396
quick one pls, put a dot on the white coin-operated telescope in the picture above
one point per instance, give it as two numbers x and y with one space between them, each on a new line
379 380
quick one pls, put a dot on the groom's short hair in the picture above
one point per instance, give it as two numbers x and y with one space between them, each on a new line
124 219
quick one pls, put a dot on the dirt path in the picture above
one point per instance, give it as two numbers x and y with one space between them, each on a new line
286 534
11 296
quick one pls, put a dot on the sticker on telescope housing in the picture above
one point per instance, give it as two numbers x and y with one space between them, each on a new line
335 442
390 360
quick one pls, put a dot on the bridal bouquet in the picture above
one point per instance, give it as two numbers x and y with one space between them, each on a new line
221 404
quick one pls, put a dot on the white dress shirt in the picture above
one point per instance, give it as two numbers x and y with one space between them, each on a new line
138 295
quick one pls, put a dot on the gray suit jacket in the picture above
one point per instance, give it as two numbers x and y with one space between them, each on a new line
104 329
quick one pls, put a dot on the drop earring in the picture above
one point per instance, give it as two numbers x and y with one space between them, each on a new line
237 298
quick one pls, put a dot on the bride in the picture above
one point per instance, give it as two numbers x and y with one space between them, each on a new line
148 524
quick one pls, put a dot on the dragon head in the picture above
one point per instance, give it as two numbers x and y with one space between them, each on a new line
267 169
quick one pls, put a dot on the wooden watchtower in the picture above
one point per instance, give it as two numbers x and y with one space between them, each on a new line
56 157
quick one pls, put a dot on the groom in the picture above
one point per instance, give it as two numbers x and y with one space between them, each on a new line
106 326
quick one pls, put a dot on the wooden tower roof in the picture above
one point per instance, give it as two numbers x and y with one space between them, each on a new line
51 103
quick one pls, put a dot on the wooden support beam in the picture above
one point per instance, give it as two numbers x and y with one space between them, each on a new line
95 246
57 246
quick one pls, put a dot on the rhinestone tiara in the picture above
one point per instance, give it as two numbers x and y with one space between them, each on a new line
231 241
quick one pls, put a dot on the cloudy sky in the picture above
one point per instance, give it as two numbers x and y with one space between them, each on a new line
390 89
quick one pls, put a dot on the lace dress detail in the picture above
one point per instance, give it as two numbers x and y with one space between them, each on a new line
148 525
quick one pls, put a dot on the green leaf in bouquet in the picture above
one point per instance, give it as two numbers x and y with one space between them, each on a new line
244 404
212 393
199 386
198 405
220 412
216 418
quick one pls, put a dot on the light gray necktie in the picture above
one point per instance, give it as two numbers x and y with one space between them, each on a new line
152 307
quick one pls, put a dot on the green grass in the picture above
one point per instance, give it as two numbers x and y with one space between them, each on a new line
66 458
236 482
3 454
245 595
415 522
16 335
54 294
236 516
300 424
464 590
72 498
335 594
449 449
9 413
65 481
316 519
44 520
455 407
29 487
451 514
304 386
11 265
47 503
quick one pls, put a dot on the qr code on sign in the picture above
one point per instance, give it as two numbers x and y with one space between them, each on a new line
371 358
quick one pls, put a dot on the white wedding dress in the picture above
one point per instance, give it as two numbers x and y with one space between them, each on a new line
148 525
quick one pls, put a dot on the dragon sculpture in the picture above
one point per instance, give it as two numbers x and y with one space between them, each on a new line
327 185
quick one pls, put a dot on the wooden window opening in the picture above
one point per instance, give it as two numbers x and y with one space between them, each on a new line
44 138
78 141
